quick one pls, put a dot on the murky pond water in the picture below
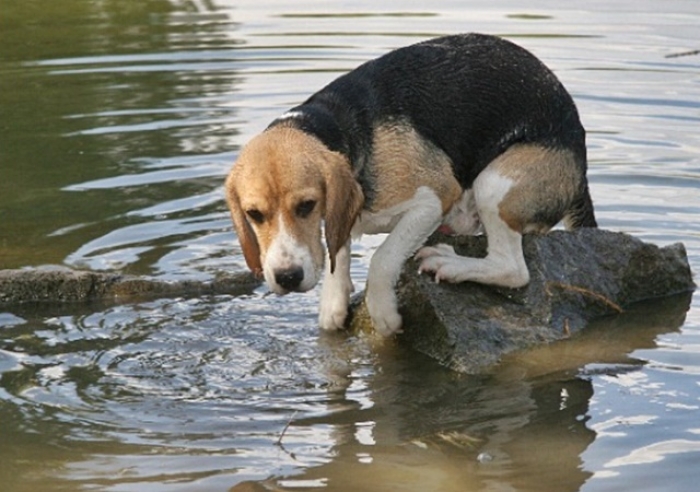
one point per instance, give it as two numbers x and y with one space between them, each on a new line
118 122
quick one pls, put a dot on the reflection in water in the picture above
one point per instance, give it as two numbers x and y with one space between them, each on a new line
526 421
210 393
119 122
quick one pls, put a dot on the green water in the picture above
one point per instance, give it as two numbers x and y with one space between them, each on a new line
118 123
95 91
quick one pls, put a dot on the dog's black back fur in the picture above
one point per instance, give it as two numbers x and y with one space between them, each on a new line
472 95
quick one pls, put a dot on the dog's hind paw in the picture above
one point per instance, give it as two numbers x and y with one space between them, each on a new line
445 268
438 260
437 250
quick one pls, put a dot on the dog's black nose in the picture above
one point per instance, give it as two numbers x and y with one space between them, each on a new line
289 278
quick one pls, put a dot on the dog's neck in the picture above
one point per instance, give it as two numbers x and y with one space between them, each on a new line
318 122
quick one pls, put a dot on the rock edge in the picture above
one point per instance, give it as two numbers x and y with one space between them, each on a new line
576 277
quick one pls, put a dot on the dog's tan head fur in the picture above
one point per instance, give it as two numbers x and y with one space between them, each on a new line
283 185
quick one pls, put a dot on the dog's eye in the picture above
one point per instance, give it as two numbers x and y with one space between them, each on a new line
255 215
305 208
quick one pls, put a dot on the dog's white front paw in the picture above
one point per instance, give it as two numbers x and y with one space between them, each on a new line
335 297
383 310
332 319
333 309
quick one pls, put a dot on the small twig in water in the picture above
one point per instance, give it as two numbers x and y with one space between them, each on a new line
683 53
284 431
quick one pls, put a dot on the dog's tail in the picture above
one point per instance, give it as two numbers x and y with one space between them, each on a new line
581 212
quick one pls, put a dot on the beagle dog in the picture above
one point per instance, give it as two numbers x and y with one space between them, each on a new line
460 132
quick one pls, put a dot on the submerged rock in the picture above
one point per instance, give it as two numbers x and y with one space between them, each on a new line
575 277
59 284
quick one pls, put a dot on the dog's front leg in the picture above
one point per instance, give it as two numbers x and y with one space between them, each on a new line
422 215
335 292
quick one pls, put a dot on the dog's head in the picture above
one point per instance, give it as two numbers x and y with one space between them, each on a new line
284 184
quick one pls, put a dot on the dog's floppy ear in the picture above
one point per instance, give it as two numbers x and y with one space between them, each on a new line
246 235
344 200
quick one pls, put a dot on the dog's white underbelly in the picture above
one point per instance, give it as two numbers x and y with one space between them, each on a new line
462 218
386 220
377 223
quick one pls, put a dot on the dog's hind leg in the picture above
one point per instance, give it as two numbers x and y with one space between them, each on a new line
504 264
528 188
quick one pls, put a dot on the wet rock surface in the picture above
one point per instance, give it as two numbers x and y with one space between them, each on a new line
58 284
576 277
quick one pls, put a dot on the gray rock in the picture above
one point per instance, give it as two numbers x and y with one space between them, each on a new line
576 277
59 284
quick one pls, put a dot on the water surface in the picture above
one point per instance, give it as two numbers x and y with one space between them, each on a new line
118 124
